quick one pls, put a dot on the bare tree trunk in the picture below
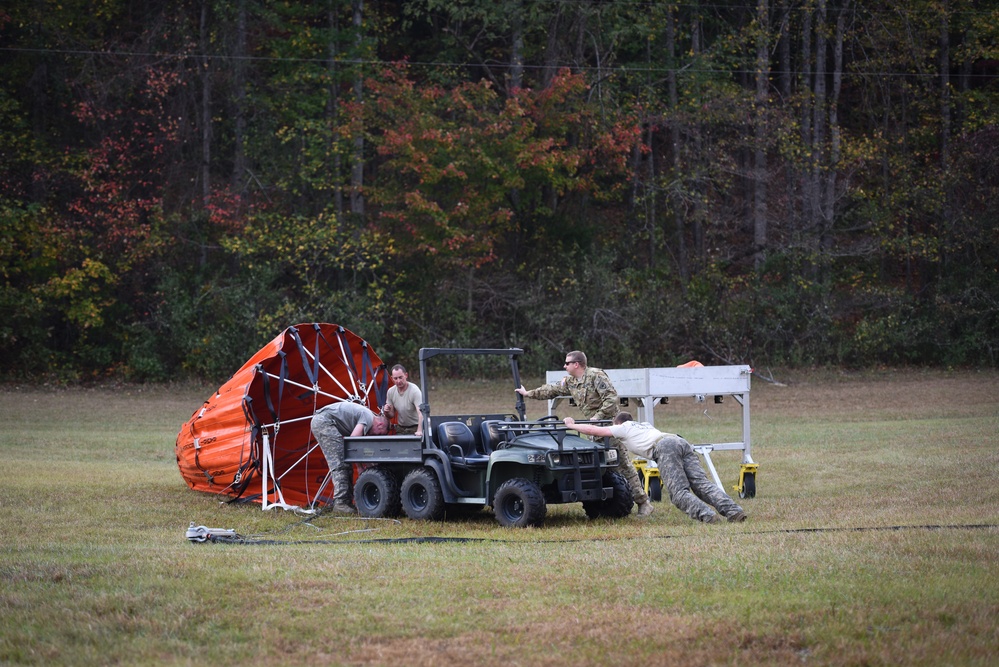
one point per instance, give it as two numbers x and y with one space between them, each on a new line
760 122
832 171
470 295
555 28
683 267
697 225
206 121
784 51
808 217
239 165
945 123
333 108
516 49
819 123
357 166
206 109
945 119
786 83
964 85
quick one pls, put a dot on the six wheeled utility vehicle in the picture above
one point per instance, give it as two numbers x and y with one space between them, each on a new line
464 463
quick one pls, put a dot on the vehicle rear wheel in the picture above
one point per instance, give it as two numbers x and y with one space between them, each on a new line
422 499
519 503
376 494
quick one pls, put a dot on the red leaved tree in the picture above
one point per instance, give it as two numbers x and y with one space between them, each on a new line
467 174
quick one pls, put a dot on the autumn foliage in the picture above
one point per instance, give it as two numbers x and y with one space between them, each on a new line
765 183
468 166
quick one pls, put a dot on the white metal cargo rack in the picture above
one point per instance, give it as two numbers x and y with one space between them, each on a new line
648 387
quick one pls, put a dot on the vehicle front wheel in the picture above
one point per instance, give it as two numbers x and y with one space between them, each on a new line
422 499
376 494
622 502
519 503
615 507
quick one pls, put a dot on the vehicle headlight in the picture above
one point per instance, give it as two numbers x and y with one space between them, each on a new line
611 456
556 458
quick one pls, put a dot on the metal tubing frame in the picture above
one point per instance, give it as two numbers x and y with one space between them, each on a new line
637 384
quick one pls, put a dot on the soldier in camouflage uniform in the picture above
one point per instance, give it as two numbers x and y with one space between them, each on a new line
596 398
689 488
330 424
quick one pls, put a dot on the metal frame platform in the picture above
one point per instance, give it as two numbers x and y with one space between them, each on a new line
648 387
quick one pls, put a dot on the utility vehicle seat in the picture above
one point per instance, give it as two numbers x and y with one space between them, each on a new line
491 435
457 440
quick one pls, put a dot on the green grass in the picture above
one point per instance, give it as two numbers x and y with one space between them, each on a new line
95 567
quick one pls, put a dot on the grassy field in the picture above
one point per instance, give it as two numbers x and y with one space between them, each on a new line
873 540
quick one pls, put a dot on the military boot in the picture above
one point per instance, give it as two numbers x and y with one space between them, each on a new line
343 507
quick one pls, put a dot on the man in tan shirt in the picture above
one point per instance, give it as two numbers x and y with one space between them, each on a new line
403 403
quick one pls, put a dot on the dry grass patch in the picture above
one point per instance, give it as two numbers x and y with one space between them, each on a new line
94 567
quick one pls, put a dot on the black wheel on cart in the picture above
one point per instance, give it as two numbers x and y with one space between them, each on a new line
655 485
656 488
519 503
376 494
422 498
617 506
748 489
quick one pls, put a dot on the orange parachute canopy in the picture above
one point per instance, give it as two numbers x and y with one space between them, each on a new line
253 440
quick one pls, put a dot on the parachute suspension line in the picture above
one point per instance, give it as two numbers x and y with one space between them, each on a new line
369 377
282 374
248 461
312 443
312 374
267 453
315 371
269 445
347 356
304 457
382 391
309 389
350 396
281 377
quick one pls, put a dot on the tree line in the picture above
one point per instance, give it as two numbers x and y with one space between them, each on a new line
774 182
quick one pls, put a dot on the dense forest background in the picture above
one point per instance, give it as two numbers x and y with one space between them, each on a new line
773 183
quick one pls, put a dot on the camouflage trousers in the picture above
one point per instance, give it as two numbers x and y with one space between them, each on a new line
331 442
405 430
689 488
628 471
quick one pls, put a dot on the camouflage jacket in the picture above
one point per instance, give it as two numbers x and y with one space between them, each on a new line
593 393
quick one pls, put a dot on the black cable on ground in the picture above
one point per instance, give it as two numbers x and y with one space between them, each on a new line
239 539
